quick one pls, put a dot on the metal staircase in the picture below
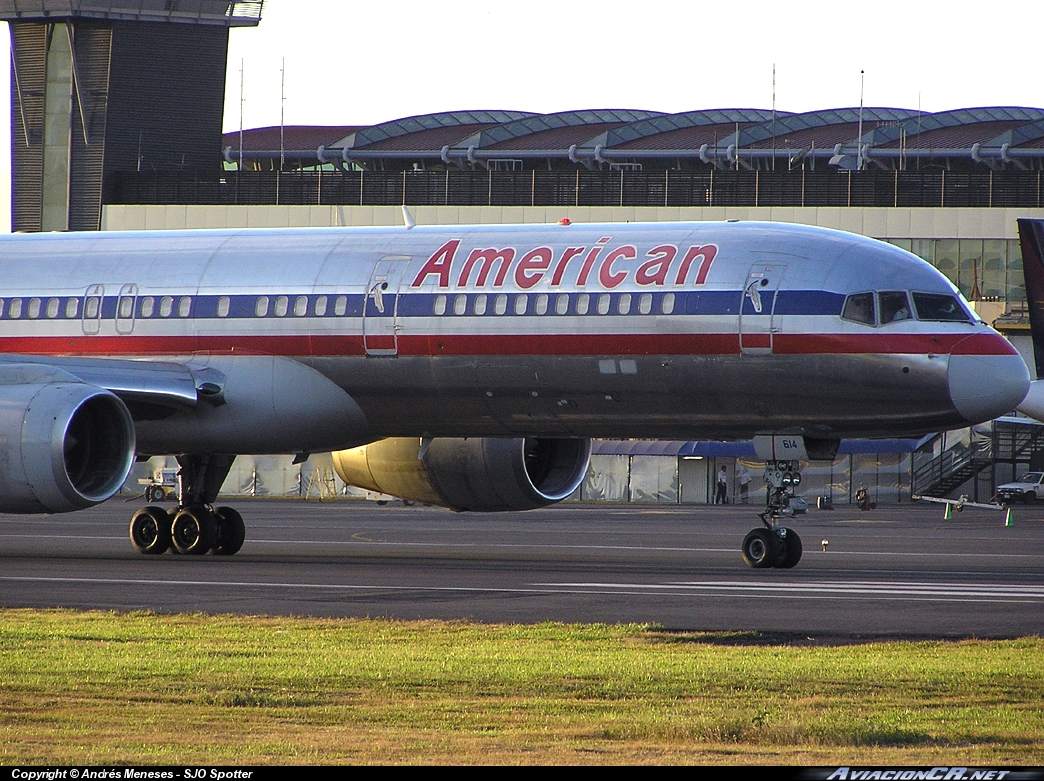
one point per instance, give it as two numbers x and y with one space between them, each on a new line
1011 442
951 469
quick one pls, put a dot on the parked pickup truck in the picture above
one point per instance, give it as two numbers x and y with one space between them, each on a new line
1028 488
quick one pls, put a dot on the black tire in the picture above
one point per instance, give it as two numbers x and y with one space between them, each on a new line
1029 497
193 531
150 530
231 532
791 550
761 548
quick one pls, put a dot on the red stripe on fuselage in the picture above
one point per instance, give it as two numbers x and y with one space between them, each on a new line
511 344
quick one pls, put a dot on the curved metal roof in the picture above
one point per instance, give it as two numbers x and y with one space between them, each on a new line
997 136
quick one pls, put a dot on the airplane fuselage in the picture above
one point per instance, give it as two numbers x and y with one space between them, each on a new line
715 330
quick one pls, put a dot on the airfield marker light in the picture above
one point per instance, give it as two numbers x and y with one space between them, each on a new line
824 543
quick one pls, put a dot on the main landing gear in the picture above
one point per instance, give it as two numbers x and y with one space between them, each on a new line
775 545
195 526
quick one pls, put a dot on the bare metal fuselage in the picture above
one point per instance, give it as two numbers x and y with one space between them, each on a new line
720 331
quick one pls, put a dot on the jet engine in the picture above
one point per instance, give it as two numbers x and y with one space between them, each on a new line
480 474
64 445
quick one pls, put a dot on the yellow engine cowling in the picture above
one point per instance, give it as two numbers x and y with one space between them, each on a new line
482 474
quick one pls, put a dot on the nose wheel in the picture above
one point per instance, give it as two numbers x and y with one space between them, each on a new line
767 547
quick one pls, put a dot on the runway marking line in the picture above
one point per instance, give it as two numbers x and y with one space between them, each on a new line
887 590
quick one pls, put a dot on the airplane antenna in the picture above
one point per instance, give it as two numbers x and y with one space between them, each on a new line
407 218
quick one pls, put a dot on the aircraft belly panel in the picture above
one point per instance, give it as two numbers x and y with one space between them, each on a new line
665 396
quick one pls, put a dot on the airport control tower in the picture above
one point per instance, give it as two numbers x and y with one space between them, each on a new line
103 87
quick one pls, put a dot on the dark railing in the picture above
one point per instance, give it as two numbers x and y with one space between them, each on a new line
799 187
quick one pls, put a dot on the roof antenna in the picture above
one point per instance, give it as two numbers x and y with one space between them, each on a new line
407 218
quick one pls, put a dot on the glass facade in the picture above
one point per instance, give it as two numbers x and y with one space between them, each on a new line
989 269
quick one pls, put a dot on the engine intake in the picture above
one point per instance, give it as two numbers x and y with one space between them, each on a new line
481 474
64 446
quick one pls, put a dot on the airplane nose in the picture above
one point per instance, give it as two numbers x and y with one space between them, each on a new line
987 377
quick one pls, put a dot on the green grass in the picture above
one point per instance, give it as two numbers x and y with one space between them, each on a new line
91 688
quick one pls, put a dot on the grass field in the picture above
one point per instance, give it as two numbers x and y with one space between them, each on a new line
94 688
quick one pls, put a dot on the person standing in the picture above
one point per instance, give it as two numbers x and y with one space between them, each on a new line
721 495
744 483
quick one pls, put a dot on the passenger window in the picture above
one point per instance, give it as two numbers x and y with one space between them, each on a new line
583 303
148 306
320 306
34 308
859 308
460 304
603 304
126 306
894 307
16 308
667 304
645 303
301 306
1 307
281 303
440 305
52 307
521 303
261 307
184 306
72 307
500 304
166 307
932 306
540 305
222 307
341 305
623 306
562 304
480 304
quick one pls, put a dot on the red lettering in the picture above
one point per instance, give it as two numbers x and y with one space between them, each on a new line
488 257
707 253
589 261
439 264
532 267
654 271
605 273
567 255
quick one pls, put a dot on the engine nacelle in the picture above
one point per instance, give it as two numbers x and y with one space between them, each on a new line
481 474
64 445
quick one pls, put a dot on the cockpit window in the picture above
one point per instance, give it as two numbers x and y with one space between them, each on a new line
934 306
894 307
859 308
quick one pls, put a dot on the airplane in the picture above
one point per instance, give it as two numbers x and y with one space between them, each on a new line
465 366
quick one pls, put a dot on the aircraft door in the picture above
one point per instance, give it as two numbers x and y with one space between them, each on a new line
91 309
757 312
380 309
125 305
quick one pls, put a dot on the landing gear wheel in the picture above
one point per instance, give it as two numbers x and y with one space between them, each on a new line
150 530
231 531
193 531
791 549
762 548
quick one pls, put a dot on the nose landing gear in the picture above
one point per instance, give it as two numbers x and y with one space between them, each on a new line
775 545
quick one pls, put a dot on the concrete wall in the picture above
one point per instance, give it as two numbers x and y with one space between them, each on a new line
878 222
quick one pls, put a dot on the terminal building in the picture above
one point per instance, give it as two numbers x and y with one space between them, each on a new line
116 110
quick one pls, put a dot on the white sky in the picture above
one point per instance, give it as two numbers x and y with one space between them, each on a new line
359 63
